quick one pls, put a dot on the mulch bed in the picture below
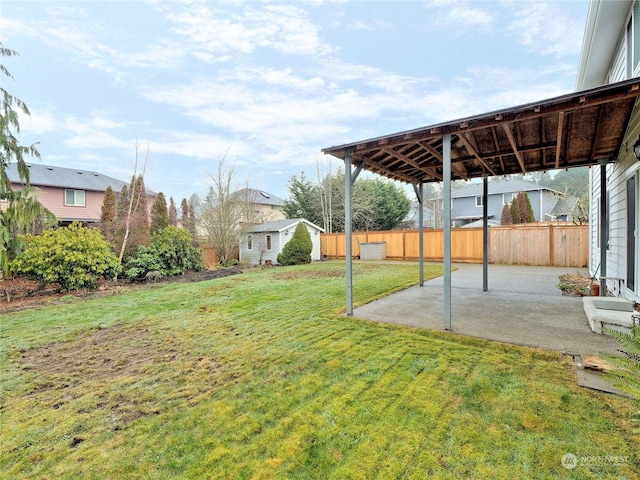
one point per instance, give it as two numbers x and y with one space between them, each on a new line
23 293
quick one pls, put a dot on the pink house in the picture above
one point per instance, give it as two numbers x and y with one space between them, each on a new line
70 194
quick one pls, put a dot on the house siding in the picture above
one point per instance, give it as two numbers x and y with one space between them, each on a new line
617 175
53 199
542 202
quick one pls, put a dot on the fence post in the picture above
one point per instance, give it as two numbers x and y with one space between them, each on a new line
551 249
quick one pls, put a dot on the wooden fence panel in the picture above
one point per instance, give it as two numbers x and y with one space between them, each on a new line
531 244
570 246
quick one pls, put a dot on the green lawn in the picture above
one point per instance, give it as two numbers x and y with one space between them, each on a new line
259 375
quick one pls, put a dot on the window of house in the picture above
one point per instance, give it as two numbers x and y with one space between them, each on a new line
268 242
249 242
74 198
507 198
479 201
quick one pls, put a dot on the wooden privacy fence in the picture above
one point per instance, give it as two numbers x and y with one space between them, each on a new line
529 244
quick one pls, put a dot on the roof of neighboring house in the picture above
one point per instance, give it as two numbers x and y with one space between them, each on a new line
497 187
281 225
560 208
260 197
48 176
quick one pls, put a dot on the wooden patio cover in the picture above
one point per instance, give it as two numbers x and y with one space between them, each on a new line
573 130
579 129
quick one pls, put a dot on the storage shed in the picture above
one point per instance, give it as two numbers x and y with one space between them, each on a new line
263 243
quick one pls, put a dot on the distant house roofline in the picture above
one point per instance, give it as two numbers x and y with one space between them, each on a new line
41 175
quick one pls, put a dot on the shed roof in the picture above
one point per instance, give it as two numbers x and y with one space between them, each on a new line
281 225
48 176
577 129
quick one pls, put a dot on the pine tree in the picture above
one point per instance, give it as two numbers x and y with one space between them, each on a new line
515 213
184 209
522 206
505 218
108 216
159 214
192 219
140 221
136 223
297 250
173 213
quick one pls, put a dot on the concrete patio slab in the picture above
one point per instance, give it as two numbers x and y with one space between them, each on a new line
523 306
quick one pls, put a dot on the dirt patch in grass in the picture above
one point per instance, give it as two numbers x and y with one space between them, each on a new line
104 366
293 274
105 354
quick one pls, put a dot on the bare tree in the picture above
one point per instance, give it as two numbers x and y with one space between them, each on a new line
226 211
134 199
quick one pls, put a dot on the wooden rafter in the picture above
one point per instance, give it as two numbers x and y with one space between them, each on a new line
559 137
473 150
592 150
429 170
514 146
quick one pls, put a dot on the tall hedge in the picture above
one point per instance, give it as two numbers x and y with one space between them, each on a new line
297 250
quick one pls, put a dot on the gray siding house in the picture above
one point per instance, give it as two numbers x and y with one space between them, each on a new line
466 202
611 53
263 243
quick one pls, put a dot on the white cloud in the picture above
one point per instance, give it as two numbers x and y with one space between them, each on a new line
459 13
216 32
545 28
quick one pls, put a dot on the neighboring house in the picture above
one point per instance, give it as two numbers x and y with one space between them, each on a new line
466 202
265 206
69 193
264 242
611 53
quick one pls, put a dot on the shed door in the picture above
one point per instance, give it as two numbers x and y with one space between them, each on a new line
631 232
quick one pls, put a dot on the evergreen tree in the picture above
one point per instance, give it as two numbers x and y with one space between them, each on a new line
108 216
22 210
505 218
297 250
159 214
173 213
304 200
132 217
184 209
523 208
140 221
192 218
515 213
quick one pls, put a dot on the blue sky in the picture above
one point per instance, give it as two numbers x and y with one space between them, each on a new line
269 84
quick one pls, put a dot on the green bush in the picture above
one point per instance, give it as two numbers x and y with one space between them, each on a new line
170 253
74 257
297 250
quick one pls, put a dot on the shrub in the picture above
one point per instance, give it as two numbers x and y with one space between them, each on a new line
297 250
74 257
170 253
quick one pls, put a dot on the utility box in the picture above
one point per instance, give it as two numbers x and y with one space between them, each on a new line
373 251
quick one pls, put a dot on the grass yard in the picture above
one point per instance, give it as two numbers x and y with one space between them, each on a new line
260 376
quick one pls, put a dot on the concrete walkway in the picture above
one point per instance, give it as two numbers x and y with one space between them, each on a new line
523 306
